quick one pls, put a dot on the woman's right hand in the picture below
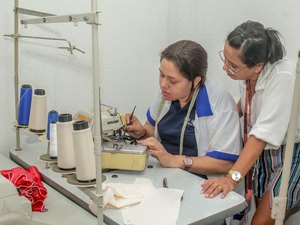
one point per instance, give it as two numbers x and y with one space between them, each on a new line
133 126
214 186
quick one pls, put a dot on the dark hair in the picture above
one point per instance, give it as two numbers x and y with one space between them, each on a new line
257 44
189 57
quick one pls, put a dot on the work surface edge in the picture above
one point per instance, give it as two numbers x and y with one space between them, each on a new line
191 211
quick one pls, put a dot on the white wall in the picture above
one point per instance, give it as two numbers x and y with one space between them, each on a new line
210 21
132 34
131 37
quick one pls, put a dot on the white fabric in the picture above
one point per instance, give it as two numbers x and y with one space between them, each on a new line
152 206
158 207
118 195
271 104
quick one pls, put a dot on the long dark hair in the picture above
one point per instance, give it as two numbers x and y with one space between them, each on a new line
189 57
257 43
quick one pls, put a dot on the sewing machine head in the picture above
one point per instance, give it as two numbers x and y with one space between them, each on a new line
112 132
112 123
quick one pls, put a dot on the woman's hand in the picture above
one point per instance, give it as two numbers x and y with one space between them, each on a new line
133 126
214 186
157 150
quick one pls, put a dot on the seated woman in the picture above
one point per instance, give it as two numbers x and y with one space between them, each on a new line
192 123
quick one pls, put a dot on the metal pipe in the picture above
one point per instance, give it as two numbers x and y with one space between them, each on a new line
279 205
16 72
97 134
70 48
32 12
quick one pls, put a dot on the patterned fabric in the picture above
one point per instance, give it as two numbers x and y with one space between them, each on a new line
29 184
268 172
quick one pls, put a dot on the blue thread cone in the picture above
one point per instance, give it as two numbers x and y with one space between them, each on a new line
25 104
52 118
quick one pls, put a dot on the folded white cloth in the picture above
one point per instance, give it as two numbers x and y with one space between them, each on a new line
148 205
158 207
118 195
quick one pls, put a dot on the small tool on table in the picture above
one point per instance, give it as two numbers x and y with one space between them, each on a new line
165 183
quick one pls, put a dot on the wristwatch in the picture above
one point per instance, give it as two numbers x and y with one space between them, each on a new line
235 175
188 162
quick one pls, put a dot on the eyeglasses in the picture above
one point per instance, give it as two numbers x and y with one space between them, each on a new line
232 69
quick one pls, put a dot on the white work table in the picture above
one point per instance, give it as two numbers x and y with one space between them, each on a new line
194 208
60 210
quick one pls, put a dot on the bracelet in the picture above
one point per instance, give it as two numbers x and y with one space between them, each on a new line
144 135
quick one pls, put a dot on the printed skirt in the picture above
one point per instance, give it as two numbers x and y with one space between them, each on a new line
268 172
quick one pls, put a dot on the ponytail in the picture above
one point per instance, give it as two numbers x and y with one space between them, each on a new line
257 44
275 48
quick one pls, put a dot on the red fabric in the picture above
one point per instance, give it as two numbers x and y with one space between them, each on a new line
29 184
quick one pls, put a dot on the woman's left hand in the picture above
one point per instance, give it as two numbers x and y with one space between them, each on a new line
157 150
214 186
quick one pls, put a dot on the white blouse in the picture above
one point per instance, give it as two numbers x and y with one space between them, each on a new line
271 103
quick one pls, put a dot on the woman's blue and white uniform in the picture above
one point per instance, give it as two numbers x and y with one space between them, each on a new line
213 128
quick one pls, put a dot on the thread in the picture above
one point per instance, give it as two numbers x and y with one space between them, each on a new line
52 118
53 141
38 112
24 104
84 152
65 149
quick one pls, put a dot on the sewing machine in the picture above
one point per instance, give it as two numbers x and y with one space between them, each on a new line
120 151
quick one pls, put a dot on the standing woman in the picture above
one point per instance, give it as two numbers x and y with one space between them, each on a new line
255 56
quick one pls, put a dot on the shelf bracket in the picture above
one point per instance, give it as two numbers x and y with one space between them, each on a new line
32 12
70 47
89 18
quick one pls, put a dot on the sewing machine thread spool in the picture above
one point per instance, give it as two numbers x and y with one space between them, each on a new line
52 118
38 112
53 140
24 104
65 149
84 152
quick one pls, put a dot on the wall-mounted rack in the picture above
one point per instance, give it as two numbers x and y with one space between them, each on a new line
91 19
